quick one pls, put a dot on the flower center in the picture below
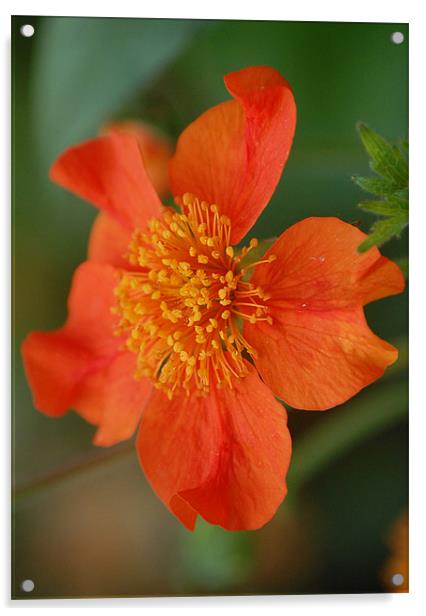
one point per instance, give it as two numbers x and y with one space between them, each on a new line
183 306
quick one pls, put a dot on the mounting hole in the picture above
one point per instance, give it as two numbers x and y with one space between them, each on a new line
27 30
27 585
397 579
397 38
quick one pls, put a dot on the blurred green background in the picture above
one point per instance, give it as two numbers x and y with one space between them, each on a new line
85 521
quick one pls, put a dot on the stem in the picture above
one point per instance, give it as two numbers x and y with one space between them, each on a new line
72 470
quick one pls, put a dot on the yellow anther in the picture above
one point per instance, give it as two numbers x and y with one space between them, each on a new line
181 313
187 199
229 276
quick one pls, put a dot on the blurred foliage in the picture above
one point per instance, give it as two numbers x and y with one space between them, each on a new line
390 186
103 532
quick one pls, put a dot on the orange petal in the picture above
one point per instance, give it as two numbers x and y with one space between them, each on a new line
55 365
108 242
318 267
224 457
320 351
81 365
233 154
317 359
156 150
56 362
112 399
109 172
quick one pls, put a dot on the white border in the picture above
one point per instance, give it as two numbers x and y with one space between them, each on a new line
301 10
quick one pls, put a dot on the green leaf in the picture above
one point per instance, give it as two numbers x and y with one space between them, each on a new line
385 208
391 184
384 230
385 159
377 186
87 69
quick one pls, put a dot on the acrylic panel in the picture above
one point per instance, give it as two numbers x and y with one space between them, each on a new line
210 264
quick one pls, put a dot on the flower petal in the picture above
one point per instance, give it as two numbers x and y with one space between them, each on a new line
112 399
315 359
233 154
156 150
55 365
81 365
224 457
318 267
319 351
109 172
108 242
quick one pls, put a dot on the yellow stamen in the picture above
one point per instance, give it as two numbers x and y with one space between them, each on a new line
181 313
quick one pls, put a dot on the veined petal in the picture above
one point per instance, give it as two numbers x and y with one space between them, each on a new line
54 364
113 399
319 350
109 240
156 150
315 359
233 154
81 365
109 172
224 456
318 267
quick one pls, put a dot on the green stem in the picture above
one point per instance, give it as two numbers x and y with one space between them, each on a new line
69 472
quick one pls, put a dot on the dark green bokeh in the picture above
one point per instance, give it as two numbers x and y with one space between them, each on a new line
101 531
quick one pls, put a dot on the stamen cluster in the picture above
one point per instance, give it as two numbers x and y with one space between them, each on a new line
182 305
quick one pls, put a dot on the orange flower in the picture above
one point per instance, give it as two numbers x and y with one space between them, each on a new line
394 573
174 333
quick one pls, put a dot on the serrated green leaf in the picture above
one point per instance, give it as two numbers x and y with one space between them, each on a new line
376 185
384 230
387 160
384 208
391 184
